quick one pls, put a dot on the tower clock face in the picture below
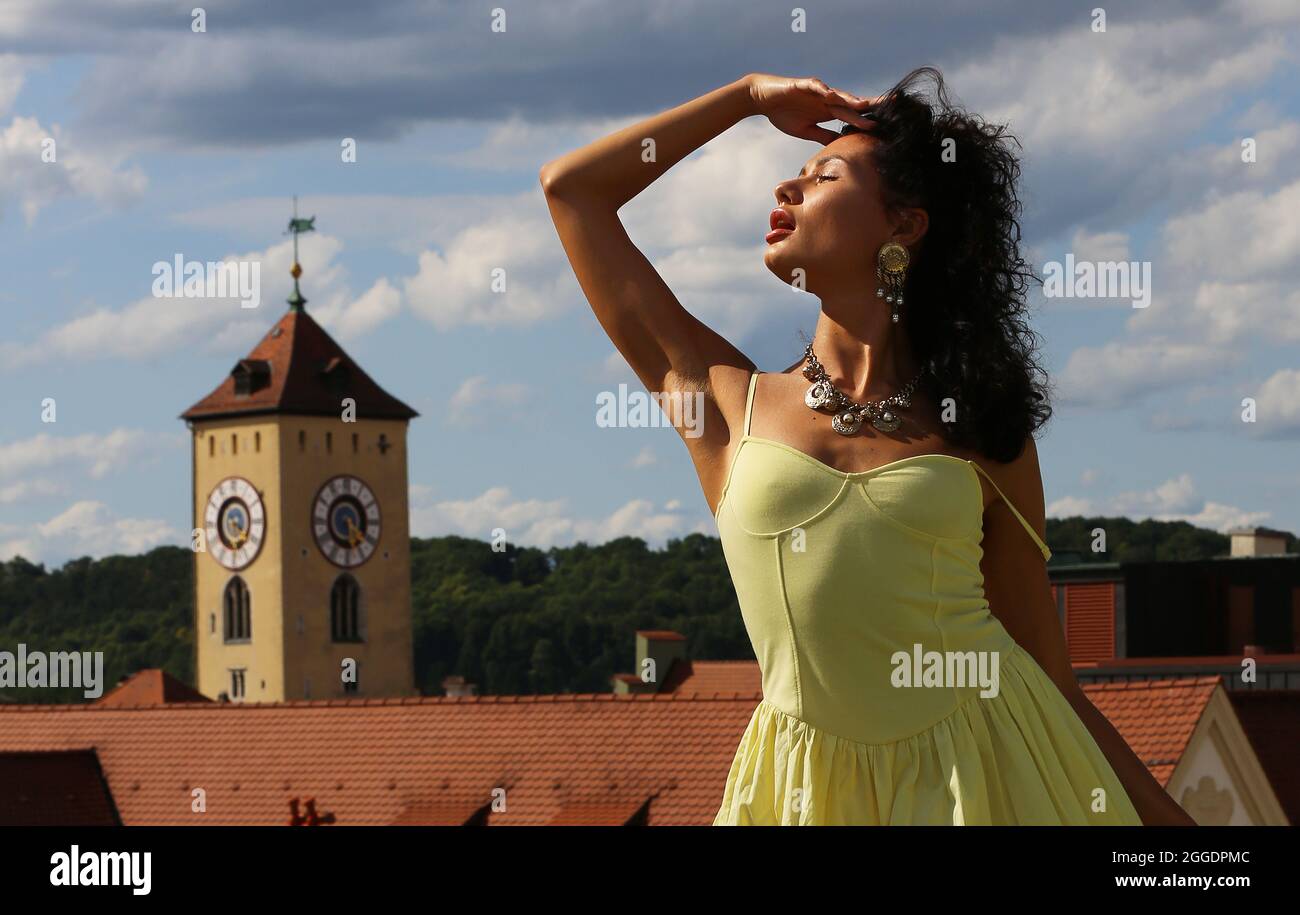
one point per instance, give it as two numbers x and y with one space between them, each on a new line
345 521
235 523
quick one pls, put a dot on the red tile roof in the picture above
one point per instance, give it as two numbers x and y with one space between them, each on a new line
559 758
1271 719
705 678
54 789
150 687
1156 718
309 374
1191 661
450 813
593 759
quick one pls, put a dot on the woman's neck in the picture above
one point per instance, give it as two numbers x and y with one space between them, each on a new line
866 355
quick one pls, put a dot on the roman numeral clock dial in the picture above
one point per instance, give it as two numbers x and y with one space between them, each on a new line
235 523
345 521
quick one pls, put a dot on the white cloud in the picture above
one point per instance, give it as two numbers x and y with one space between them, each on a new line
1069 506
11 80
1173 500
540 523
1245 236
350 320
1277 406
1230 272
643 458
1100 247
95 455
1127 89
30 489
33 183
154 326
614 366
1116 373
86 528
478 398
498 272
516 144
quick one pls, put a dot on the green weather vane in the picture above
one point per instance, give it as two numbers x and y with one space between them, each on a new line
296 227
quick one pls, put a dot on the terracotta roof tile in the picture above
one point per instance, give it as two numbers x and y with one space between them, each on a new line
710 677
1156 718
150 687
383 761
593 758
297 368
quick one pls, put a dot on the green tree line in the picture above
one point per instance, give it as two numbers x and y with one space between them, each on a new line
517 621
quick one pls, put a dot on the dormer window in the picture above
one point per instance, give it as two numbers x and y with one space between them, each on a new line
337 377
251 375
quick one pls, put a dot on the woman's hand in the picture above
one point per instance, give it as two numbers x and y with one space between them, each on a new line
797 105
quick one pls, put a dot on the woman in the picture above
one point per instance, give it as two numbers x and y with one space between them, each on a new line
914 668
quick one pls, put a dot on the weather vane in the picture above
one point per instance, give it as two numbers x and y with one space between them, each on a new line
296 227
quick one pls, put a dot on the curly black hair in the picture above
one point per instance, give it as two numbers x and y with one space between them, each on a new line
965 305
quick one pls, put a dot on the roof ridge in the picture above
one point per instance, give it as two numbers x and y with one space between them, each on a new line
1161 682
539 699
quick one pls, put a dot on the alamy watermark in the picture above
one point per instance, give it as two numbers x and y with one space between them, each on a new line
945 669
53 670
103 868
184 279
1098 280
639 409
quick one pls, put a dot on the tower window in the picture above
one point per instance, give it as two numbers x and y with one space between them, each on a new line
355 442
251 375
237 683
329 442
345 609
234 443
257 442
212 445
302 439
238 615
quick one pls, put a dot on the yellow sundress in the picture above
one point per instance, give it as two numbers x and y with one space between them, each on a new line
891 694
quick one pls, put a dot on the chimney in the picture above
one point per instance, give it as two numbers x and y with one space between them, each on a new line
1257 541
661 646
456 685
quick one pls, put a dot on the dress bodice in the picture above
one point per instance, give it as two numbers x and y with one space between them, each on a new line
837 573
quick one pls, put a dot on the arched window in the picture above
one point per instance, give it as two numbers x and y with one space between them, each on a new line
238 616
345 609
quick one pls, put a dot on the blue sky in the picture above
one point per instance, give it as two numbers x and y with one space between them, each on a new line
170 141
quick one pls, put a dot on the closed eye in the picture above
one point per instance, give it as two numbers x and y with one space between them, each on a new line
827 177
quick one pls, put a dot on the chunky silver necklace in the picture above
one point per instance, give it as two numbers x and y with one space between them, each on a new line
823 395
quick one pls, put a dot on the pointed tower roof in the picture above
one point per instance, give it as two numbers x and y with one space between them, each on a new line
298 369
151 686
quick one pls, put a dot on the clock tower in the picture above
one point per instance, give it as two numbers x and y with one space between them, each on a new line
303 569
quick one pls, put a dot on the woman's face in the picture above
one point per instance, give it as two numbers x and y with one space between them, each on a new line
839 219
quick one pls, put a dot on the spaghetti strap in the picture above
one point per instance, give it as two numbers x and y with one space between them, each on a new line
749 401
1043 548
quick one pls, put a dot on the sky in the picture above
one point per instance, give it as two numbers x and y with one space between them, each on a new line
169 139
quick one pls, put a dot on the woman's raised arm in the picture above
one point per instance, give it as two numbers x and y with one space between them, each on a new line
671 351
668 348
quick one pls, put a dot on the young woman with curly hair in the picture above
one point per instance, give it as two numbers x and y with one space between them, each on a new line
879 502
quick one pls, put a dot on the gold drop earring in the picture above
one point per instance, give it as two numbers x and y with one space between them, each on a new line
891 272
